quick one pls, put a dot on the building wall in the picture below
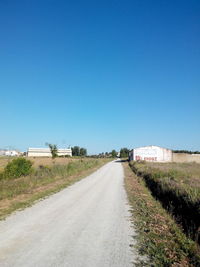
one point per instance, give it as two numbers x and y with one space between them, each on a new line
151 153
12 153
159 154
183 157
45 152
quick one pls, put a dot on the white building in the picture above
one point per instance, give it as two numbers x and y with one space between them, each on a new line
9 153
46 152
151 153
2 152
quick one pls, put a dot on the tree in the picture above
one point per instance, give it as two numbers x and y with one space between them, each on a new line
124 152
114 153
54 150
83 151
75 151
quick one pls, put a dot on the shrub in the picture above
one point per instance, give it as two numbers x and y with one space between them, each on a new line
18 167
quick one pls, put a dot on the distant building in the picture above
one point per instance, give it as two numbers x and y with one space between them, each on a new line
12 153
9 153
46 152
151 153
2 152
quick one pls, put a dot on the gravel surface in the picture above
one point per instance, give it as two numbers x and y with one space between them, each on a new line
87 224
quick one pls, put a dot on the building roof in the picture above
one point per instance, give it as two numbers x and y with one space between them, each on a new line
151 146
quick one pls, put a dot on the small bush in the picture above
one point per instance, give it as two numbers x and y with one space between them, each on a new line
18 167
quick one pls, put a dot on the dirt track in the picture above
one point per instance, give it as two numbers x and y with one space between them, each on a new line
86 224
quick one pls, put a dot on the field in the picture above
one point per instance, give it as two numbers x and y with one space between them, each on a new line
37 161
49 176
177 187
159 239
187 173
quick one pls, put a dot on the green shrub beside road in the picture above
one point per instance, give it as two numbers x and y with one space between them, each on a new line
16 168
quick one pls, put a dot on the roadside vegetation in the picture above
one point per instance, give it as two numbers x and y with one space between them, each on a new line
19 191
159 238
16 168
177 187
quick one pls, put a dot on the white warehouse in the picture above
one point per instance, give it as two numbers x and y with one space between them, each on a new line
151 153
46 152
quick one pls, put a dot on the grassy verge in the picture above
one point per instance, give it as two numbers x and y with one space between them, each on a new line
177 186
158 235
46 180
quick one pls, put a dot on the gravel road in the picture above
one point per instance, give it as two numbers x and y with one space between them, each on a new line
86 224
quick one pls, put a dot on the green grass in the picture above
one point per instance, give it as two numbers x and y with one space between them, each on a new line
158 236
21 192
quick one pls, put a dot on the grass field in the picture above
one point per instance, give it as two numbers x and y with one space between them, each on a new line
37 161
159 238
186 173
177 186
48 177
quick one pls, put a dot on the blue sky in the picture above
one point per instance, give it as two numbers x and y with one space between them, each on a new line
100 74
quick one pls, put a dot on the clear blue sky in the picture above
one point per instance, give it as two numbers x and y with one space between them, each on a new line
100 74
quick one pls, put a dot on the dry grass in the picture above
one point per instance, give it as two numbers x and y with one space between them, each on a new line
37 161
158 236
49 161
177 187
4 161
187 173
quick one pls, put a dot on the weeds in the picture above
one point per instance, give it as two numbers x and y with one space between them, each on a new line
177 190
158 235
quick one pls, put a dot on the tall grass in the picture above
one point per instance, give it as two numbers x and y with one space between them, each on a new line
177 189
42 176
158 237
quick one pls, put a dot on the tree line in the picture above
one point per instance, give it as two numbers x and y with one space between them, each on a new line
124 153
82 152
79 151
186 151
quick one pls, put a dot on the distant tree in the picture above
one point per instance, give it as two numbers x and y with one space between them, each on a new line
114 153
76 151
83 151
79 151
124 152
107 154
186 151
54 150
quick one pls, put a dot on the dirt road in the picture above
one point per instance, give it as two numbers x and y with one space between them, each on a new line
86 224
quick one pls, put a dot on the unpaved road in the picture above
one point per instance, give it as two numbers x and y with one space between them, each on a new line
86 224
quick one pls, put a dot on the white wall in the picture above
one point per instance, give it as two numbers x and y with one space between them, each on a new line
11 153
45 152
183 157
151 153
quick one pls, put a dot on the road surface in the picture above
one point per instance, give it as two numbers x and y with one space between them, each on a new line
85 225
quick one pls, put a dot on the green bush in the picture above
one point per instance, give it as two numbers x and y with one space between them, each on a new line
17 167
